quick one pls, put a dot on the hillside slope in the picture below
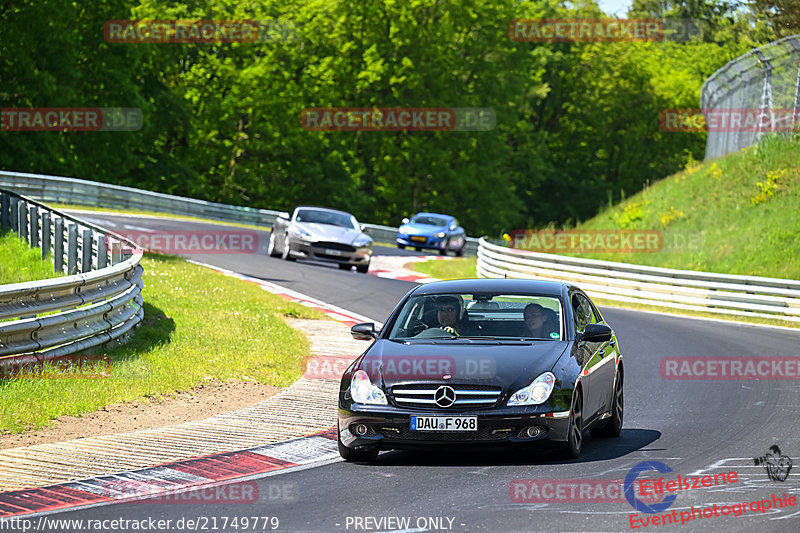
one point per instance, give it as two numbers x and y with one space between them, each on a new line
739 214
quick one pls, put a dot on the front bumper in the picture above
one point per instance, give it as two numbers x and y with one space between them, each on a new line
430 241
389 427
307 250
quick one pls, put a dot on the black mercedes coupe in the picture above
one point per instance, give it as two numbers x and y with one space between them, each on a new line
483 362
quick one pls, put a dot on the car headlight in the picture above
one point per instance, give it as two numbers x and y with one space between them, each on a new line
536 393
303 234
363 391
362 241
441 234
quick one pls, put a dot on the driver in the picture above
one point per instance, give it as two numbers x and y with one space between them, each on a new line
449 314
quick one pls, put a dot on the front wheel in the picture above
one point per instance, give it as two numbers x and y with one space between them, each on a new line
271 251
613 426
575 433
443 251
362 268
286 248
344 266
460 252
353 455
401 246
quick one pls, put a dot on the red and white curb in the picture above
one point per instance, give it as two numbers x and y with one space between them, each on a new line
393 267
172 478
329 310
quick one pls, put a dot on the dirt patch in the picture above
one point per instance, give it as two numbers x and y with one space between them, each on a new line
209 399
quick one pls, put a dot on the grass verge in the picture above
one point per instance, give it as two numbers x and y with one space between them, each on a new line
199 325
456 268
19 262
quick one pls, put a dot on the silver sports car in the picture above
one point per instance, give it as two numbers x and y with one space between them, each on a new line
321 234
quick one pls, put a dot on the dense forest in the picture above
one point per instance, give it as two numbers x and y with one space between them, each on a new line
576 123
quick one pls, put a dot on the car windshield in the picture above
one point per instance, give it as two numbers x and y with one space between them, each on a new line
485 316
312 216
429 220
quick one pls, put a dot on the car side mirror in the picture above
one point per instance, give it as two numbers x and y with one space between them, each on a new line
453 227
364 332
283 215
404 221
362 227
595 333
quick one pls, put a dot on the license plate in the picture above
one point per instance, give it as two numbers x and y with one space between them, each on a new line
328 251
418 238
444 423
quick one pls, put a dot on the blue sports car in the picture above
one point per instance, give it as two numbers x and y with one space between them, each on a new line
432 230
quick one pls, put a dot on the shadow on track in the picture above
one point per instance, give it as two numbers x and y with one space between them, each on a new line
629 441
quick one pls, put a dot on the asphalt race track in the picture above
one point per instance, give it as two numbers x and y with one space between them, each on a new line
694 427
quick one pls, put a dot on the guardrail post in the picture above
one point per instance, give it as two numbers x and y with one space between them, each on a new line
4 211
33 215
58 244
14 215
46 229
22 220
72 249
116 252
102 251
86 248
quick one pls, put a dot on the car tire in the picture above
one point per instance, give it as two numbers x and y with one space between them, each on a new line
417 248
444 249
362 268
613 426
271 251
401 246
344 266
353 455
575 432
460 252
285 252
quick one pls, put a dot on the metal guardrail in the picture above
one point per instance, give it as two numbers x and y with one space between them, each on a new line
678 289
92 193
766 78
97 302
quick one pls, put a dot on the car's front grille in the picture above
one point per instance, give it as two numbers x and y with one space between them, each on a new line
333 246
423 396
483 434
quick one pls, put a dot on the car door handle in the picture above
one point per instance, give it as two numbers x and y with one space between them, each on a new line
612 343
602 352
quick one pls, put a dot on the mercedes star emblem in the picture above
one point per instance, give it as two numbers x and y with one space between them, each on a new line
445 396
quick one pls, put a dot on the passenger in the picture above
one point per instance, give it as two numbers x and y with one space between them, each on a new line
541 322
